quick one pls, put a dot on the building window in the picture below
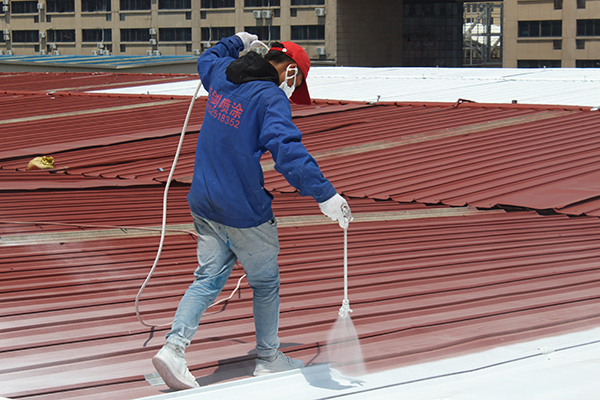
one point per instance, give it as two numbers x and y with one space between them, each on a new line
217 4
261 3
61 35
581 4
95 5
202 14
538 64
557 44
25 36
174 4
558 4
24 7
108 17
308 32
580 44
36 19
188 47
122 48
588 27
135 35
133 5
265 32
540 28
121 17
188 15
175 34
293 12
60 6
96 35
48 18
217 33
587 63
308 2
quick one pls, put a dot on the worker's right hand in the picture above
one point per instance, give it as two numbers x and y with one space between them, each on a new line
337 209
247 39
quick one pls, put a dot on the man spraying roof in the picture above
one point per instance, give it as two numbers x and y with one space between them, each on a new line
247 114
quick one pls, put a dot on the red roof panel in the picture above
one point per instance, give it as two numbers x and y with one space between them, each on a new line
426 282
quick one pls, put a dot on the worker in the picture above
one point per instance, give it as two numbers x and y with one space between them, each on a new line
247 114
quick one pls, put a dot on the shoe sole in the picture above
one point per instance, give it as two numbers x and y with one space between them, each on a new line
170 379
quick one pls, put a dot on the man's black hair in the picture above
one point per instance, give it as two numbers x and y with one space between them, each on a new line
278 57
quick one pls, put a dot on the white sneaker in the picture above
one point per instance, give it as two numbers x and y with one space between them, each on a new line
170 364
278 363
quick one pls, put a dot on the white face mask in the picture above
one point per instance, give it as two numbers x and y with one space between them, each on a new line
289 90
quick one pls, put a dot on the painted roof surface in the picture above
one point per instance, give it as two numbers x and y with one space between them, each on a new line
450 252
555 86
115 62
72 82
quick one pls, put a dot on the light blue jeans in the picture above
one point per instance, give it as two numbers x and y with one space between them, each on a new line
219 246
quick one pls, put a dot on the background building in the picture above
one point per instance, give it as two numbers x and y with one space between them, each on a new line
552 33
350 32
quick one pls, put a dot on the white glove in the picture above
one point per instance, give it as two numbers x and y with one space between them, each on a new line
337 209
247 39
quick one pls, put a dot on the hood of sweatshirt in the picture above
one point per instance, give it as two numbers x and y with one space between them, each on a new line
252 67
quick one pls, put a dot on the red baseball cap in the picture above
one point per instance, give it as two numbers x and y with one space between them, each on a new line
297 53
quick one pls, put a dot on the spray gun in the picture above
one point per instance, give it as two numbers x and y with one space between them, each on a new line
345 309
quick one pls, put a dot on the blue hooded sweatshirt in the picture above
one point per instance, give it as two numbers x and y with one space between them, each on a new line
247 114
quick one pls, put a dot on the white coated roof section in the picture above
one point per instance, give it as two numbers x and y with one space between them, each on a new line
555 368
552 86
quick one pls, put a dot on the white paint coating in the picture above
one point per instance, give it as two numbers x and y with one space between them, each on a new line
559 86
556 368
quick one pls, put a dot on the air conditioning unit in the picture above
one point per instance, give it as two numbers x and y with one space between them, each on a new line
100 45
1 53
320 12
6 32
152 31
266 14
42 35
156 53
197 52
257 14
148 52
5 2
152 42
55 52
9 53
5 8
52 46
94 52
40 6
7 37
106 52
42 52
206 45
321 51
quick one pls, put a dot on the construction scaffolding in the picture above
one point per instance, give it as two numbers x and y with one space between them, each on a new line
482 34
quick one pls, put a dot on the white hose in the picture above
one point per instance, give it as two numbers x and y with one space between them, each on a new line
164 215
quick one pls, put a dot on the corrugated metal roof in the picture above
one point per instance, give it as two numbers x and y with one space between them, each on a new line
426 281
94 63
79 82
429 288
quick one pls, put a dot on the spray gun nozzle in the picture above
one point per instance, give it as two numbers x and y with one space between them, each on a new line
345 309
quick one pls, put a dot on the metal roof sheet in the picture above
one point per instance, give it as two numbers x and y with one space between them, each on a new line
427 282
420 288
